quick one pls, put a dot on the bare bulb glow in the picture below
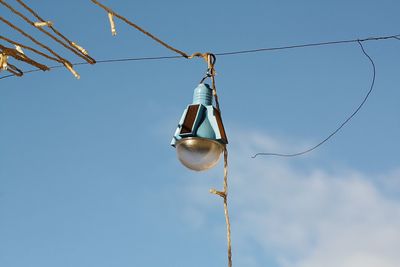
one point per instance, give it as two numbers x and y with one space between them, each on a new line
198 154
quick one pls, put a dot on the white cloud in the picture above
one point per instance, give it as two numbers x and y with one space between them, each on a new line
306 217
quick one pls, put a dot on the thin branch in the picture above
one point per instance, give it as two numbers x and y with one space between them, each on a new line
77 48
158 40
33 40
21 57
30 49
44 31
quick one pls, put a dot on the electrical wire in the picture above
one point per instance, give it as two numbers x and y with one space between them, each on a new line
341 125
228 53
99 62
378 38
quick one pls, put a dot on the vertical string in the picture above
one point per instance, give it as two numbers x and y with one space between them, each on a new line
224 194
215 93
228 224
211 67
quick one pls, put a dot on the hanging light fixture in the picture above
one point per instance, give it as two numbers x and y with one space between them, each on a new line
200 137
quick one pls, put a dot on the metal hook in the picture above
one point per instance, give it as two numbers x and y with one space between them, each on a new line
205 77
210 59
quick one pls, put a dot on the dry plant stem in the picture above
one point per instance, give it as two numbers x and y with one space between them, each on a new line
60 59
140 29
224 195
228 224
30 49
111 14
43 31
210 59
21 57
72 44
65 62
14 70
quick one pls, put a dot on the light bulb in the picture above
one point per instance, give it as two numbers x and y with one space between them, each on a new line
197 153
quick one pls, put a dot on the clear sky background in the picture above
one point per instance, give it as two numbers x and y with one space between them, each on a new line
87 176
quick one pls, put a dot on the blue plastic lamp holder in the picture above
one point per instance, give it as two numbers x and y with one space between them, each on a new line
200 137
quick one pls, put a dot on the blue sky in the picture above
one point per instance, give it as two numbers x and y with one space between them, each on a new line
87 176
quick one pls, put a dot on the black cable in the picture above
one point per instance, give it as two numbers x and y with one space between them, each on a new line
100 61
308 45
342 125
397 36
7 76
